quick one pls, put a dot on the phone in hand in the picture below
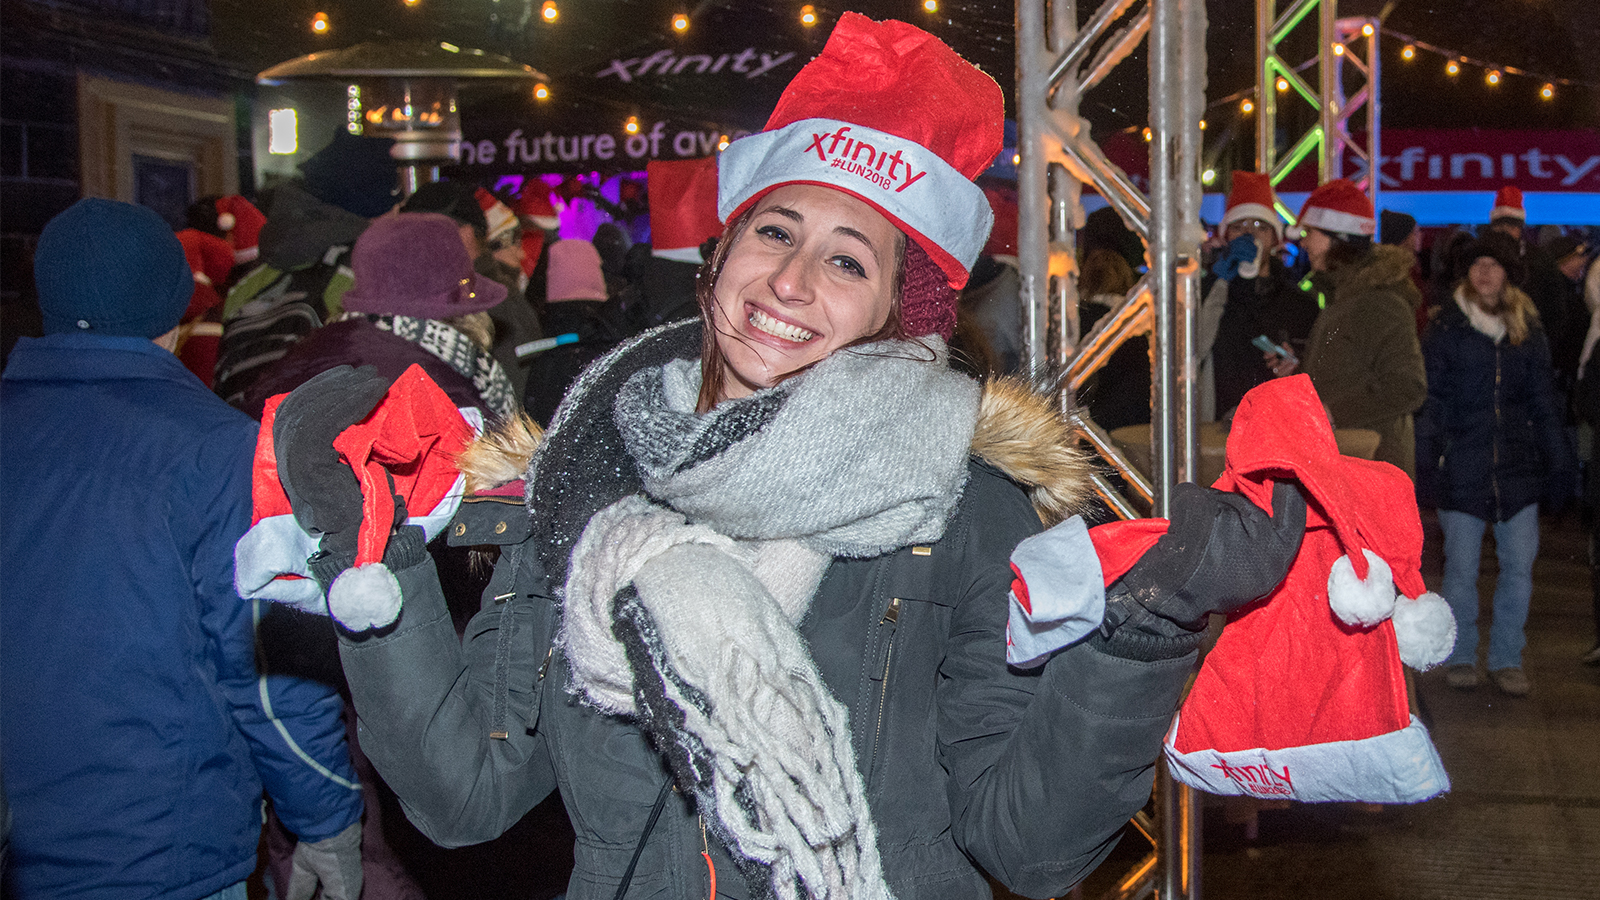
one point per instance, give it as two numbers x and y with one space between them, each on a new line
1265 345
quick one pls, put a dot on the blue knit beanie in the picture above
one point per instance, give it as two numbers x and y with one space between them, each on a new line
111 268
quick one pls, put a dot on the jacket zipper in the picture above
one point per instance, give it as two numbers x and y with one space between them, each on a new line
891 616
1494 443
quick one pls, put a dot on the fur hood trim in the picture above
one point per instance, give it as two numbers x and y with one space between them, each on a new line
1020 431
1386 268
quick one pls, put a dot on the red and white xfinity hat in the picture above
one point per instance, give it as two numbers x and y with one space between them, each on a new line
1338 206
892 116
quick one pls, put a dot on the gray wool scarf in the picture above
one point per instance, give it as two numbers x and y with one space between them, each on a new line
681 604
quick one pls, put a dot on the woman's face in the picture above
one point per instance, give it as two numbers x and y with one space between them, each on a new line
1488 280
812 271
1316 244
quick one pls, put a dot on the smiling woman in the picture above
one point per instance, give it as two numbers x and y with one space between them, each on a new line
779 539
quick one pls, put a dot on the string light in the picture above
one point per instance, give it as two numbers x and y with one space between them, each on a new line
723 143
1367 29
541 92
1202 124
1494 72
1148 134
808 15
931 5
549 11
1338 49
1208 176
411 2
632 125
319 23
1247 106
1283 84
1548 92
680 22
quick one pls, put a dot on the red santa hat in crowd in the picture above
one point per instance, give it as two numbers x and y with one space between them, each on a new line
1251 197
892 116
241 222
1508 205
1339 207
683 207
500 220
405 447
538 216
1003 203
200 335
1303 696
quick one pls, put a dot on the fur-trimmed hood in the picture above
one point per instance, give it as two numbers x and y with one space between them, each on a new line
1385 268
1020 431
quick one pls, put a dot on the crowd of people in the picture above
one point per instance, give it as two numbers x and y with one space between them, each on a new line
751 625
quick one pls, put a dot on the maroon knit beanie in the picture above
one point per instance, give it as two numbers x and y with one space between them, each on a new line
927 301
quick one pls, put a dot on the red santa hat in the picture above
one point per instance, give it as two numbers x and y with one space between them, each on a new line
1303 696
683 207
406 447
239 219
1338 206
533 208
501 220
1003 203
1508 205
1251 197
888 114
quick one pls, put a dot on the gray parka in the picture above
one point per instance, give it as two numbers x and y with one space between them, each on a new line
967 763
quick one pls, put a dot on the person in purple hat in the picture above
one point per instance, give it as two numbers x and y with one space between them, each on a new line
416 299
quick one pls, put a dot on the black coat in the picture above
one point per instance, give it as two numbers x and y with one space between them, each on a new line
1490 439
966 762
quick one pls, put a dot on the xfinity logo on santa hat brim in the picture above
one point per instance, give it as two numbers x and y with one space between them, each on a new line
872 169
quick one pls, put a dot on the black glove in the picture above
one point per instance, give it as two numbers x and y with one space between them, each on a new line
1220 552
322 490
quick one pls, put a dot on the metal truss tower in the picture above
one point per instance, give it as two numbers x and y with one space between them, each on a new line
1340 43
1057 62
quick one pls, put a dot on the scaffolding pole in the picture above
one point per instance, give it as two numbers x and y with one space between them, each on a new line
1057 61
1347 85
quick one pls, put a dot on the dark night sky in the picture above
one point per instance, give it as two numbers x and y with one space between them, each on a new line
1557 37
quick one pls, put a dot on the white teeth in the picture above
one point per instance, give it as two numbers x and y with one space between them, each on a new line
776 328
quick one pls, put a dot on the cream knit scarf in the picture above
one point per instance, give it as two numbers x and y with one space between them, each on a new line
682 603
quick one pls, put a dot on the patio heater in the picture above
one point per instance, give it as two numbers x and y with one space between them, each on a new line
406 90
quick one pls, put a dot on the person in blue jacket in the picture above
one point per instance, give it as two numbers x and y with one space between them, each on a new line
1491 451
139 721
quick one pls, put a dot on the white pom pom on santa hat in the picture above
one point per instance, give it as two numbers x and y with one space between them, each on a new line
1362 602
1425 629
364 597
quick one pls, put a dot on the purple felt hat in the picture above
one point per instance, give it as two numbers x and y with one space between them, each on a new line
414 264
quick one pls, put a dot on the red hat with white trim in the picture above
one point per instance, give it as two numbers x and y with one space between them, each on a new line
239 219
891 115
1304 697
501 220
1508 205
1338 206
1251 197
683 207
